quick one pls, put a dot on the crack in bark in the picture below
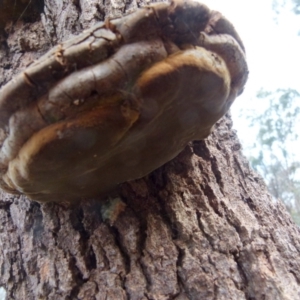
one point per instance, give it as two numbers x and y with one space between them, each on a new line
201 227
242 274
180 282
87 252
236 227
77 276
122 249
200 149
218 174
212 198
145 273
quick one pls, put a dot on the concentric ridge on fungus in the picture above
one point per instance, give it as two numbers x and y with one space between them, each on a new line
118 101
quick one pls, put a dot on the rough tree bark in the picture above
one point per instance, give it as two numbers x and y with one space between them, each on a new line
203 226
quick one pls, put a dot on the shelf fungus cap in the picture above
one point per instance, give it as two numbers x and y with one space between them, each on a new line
118 101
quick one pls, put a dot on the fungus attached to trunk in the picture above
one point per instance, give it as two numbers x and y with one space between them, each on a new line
118 101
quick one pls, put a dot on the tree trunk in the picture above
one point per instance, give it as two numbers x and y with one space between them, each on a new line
202 226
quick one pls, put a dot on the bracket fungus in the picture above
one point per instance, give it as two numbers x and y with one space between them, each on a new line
118 101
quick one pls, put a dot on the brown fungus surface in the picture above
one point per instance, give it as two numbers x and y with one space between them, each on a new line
118 101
